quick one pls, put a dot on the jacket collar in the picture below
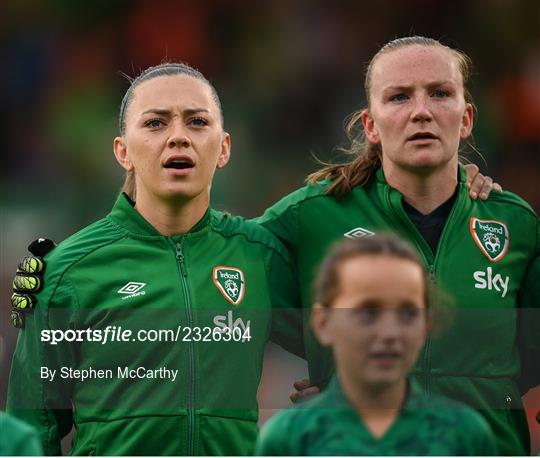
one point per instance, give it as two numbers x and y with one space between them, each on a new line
124 215
392 197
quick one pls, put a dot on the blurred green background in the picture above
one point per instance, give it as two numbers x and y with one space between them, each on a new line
288 72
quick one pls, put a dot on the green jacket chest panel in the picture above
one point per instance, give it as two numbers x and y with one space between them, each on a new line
418 434
329 426
475 341
459 266
157 393
150 290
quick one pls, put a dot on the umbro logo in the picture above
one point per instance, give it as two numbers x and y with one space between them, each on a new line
358 233
132 289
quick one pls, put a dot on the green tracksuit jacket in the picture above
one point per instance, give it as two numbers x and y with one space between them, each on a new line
224 275
486 266
17 438
328 425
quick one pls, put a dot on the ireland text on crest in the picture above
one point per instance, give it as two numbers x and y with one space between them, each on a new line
230 281
492 237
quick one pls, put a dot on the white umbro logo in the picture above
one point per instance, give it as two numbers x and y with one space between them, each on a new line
132 289
358 233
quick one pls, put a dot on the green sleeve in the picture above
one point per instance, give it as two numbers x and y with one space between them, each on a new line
282 220
287 320
17 438
287 323
30 398
479 437
29 445
529 328
485 445
275 437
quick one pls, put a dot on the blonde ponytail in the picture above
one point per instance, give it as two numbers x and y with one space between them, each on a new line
129 185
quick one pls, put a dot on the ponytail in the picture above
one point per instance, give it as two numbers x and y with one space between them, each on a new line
129 185
358 172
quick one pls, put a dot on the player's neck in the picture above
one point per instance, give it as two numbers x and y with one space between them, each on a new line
425 192
378 408
171 217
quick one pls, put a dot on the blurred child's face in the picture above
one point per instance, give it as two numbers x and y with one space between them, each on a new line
377 324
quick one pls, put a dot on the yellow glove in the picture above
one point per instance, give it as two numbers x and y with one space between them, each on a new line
28 279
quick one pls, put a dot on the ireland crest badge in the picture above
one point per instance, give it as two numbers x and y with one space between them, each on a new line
230 282
492 237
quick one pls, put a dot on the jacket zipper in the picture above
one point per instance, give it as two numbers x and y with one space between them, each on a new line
433 278
422 244
191 375
427 346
